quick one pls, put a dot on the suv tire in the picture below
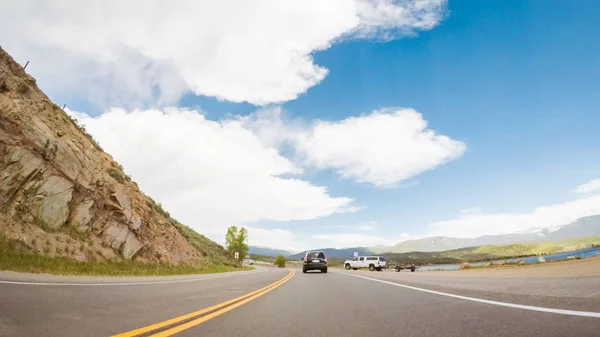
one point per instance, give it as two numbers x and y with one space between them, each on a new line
324 271
304 271
348 266
371 267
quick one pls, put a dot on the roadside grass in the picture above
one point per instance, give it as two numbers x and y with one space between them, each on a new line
15 256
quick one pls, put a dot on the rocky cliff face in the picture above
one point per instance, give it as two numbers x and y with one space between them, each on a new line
60 194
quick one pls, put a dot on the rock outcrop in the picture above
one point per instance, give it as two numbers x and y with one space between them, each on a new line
464 265
57 184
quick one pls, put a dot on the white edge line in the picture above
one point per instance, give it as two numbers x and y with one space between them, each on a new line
502 304
129 283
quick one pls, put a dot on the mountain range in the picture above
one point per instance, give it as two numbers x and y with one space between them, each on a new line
580 228
259 250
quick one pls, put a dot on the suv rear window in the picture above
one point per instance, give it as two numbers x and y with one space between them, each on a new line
381 258
315 255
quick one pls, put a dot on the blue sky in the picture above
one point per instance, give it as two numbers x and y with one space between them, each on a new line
515 81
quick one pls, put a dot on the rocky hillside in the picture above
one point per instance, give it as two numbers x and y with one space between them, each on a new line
62 195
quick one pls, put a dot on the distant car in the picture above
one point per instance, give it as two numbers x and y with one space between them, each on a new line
372 262
314 261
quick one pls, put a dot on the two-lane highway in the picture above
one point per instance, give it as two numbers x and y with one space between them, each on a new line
277 302
68 306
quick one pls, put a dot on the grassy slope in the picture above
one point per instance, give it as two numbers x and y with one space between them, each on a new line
15 256
492 252
208 248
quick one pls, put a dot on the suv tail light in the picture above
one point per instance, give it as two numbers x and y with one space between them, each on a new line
325 259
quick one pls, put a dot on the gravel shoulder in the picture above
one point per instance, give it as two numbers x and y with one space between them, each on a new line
563 269
567 285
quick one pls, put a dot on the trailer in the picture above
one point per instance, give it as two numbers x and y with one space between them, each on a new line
412 267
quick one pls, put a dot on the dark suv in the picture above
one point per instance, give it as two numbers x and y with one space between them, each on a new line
314 261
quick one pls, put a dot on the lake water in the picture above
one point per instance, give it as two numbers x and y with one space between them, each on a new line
584 253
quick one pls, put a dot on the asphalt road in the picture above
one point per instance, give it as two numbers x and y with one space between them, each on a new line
338 303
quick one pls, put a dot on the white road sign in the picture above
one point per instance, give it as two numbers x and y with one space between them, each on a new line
355 254
236 255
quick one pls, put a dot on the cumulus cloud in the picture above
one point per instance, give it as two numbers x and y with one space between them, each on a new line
591 186
382 148
209 174
473 225
132 52
380 18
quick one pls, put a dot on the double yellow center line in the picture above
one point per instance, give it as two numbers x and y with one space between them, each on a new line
178 324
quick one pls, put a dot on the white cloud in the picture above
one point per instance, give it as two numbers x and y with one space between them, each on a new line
382 148
473 225
128 52
380 18
209 174
591 186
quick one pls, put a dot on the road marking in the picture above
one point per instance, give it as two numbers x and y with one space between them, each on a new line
474 299
227 305
203 319
131 283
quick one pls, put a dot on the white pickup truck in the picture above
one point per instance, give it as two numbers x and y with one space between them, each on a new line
371 262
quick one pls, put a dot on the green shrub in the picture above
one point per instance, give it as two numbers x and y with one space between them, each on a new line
3 85
280 261
116 175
